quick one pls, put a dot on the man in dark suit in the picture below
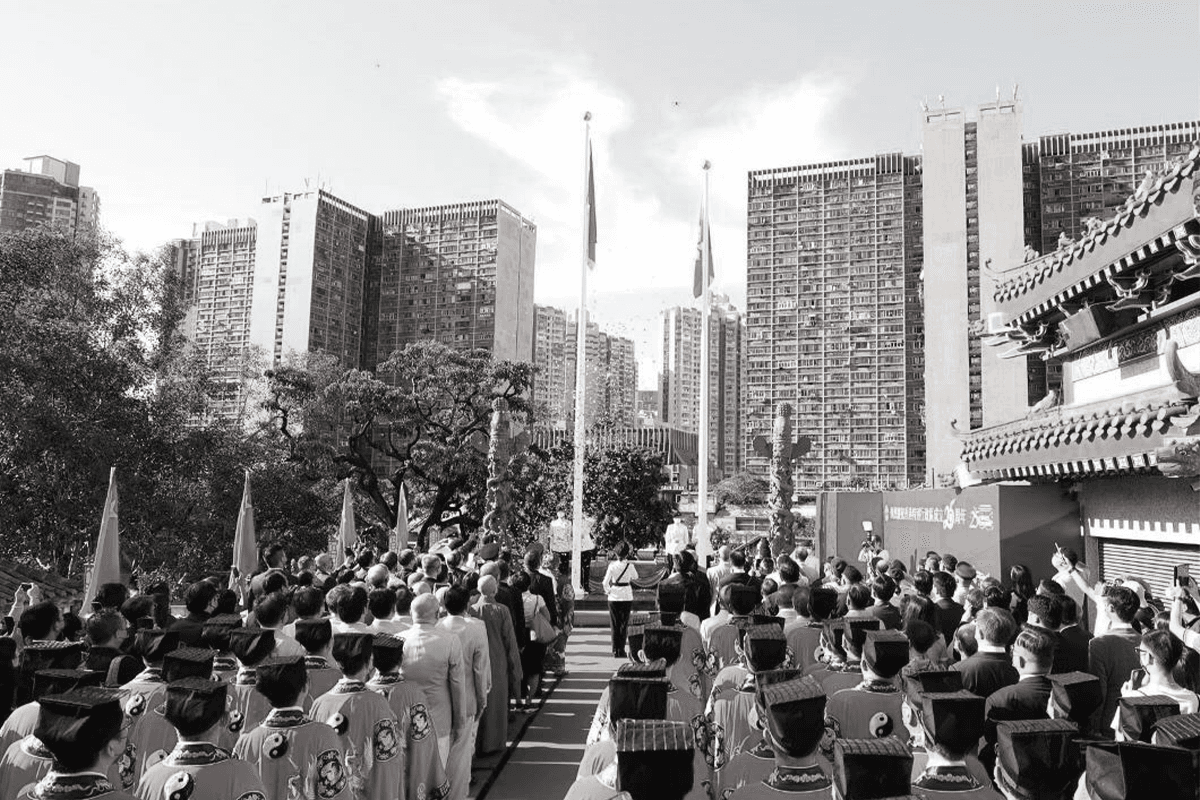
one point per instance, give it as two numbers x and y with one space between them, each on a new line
883 588
1073 637
1044 614
990 668
1112 656
948 614
1033 655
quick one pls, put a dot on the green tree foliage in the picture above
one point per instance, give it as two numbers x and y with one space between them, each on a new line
622 483
742 489
93 374
422 418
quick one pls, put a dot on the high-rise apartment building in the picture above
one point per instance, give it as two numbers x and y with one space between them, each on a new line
824 243
318 273
680 387
47 192
461 274
973 193
611 372
215 274
834 320
550 357
309 276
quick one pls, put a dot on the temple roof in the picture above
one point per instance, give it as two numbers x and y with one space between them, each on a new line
1130 236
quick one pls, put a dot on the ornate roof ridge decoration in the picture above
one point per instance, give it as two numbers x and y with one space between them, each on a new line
1151 193
1119 435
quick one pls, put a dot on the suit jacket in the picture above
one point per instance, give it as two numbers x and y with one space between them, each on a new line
477 662
948 614
433 661
1110 658
1025 699
986 673
543 586
1073 649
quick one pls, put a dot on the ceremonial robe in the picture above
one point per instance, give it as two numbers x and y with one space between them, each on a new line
248 701
295 757
956 782
723 644
433 661
201 771
25 763
871 710
322 677
20 723
368 738
841 676
73 786
597 787
804 638
504 656
424 774
803 783
728 712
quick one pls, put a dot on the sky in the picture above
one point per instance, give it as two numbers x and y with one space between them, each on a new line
180 113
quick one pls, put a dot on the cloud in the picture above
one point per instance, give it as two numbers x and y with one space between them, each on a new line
767 126
647 183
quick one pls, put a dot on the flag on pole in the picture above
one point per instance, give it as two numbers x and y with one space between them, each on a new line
591 204
245 545
703 258
106 566
347 535
400 535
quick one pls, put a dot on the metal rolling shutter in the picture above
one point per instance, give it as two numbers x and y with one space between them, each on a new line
1153 563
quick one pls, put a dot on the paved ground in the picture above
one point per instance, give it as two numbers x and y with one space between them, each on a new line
542 765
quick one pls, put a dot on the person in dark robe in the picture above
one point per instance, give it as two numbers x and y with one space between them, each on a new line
505 659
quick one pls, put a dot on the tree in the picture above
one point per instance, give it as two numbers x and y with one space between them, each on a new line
742 489
422 418
94 373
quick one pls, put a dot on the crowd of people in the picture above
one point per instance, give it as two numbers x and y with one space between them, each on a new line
379 678
820 679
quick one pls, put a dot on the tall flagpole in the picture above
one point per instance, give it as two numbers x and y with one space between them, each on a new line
581 369
703 544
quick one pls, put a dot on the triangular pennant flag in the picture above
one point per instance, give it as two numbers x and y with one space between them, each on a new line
704 262
400 532
591 209
347 537
106 566
245 545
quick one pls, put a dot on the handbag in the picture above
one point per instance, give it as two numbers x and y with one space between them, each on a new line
542 631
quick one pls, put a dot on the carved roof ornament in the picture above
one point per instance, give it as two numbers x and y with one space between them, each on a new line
1180 458
1185 381
1132 295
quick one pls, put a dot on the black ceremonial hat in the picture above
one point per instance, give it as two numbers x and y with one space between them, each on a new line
930 681
1136 715
188 662
1182 730
953 719
314 634
1075 696
194 705
81 719
251 645
886 652
795 714
1037 759
661 641
637 698
870 769
654 758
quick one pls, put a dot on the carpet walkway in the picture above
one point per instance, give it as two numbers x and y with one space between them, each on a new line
543 763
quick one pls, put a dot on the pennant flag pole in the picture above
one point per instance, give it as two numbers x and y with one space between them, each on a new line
106 566
703 281
245 544
400 533
347 536
589 263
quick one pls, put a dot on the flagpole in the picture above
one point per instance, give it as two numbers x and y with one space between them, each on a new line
703 544
581 371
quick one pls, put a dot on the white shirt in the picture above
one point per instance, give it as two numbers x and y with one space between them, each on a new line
623 572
